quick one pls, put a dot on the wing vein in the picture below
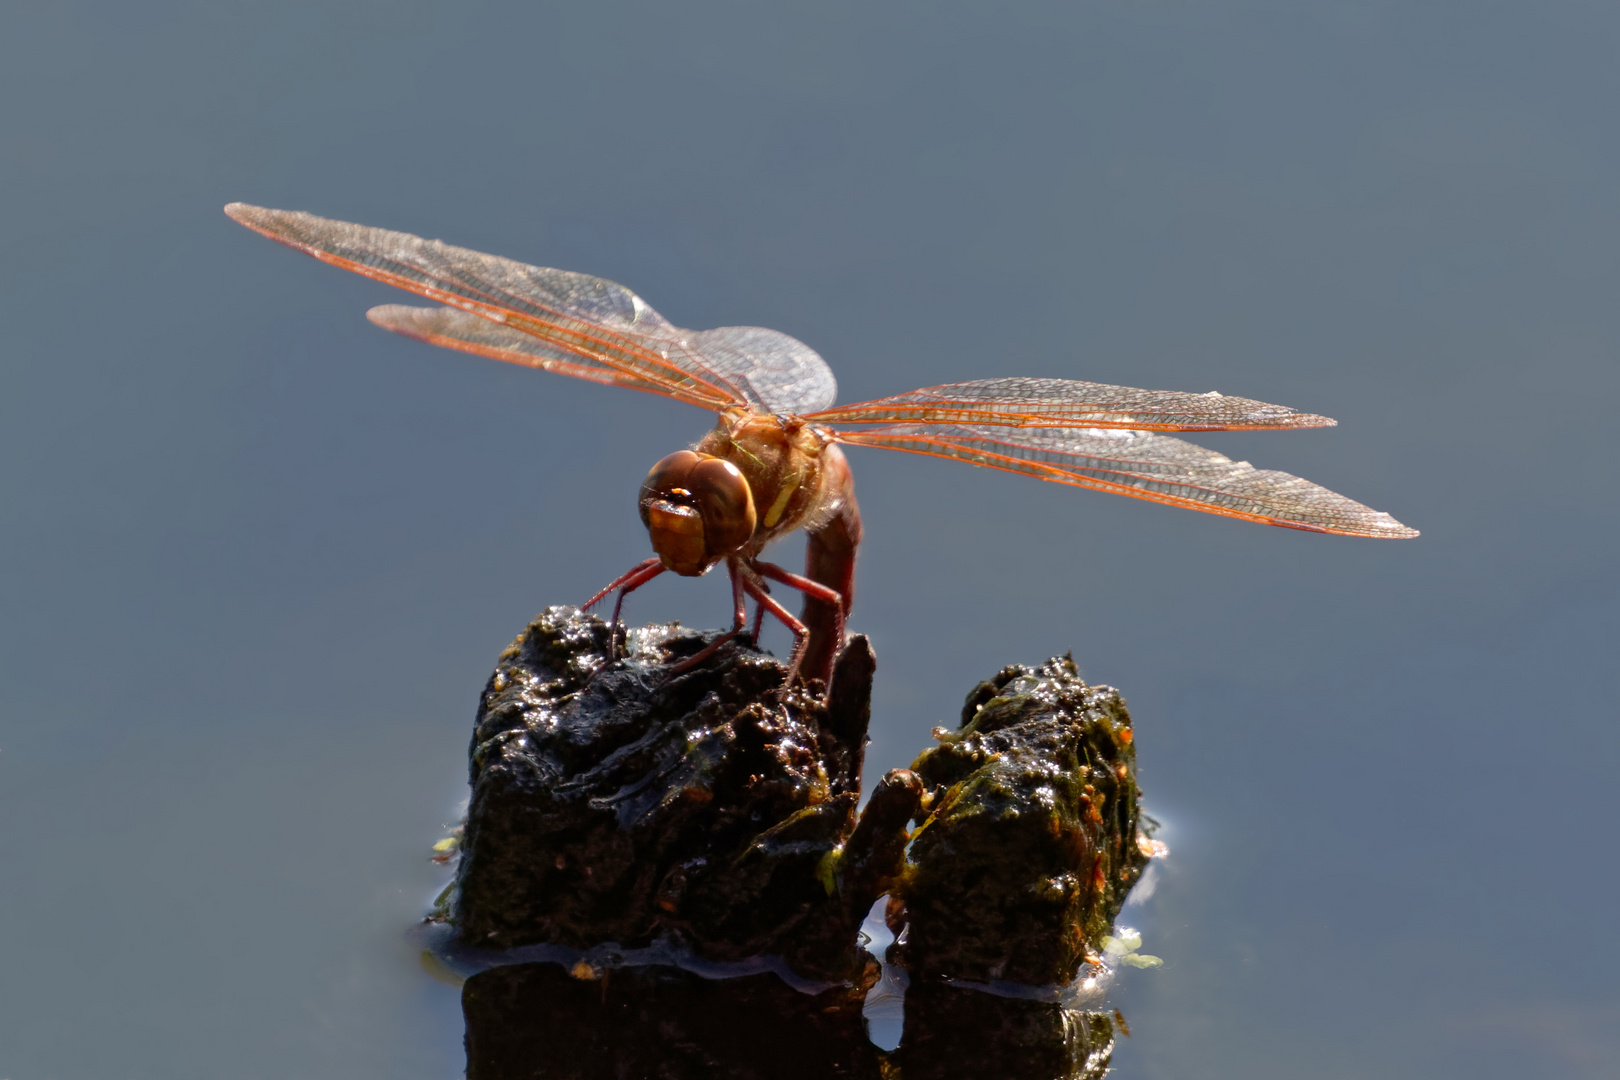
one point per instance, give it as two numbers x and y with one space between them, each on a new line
1143 465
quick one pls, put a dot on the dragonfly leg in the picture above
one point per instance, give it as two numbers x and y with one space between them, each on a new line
759 618
629 581
829 596
756 588
739 619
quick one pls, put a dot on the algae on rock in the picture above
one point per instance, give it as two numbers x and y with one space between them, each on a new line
1029 843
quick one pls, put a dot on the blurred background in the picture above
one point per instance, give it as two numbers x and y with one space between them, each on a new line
260 556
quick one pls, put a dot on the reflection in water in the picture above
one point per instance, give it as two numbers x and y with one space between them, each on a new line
539 1020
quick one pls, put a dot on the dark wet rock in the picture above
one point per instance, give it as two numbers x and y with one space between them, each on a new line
711 809
1029 844
951 1032
708 818
529 1021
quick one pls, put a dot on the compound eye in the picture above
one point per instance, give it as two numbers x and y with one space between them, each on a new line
727 504
669 479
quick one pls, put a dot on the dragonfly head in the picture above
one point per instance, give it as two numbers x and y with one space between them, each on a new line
698 509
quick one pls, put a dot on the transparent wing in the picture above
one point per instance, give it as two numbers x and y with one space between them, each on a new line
779 373
453 328
600 323
1064 403
1145 466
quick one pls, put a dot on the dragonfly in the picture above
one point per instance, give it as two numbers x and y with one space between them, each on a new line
773 462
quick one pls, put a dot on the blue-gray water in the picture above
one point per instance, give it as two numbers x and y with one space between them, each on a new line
259 555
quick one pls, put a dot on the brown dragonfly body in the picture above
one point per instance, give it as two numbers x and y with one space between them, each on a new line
772 464
754 478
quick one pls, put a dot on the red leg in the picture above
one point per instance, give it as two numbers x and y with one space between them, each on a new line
629 581
828 596
759 619
824 593
738 620
623 581
801 633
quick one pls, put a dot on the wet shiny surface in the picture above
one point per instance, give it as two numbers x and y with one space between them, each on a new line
261 556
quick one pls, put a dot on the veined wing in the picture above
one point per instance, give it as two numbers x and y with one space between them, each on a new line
600 323
773 365
454 328
779 373
1065 403
1144 466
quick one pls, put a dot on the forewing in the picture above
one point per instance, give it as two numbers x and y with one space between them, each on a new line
1065 403
599 321
1145 466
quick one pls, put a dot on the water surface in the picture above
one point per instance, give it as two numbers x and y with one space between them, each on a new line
260 556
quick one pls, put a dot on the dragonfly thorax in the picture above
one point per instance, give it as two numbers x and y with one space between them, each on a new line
784 461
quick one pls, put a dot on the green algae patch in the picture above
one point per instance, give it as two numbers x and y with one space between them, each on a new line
1029 845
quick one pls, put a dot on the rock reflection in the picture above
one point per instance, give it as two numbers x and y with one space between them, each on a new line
536 1020
533 1021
